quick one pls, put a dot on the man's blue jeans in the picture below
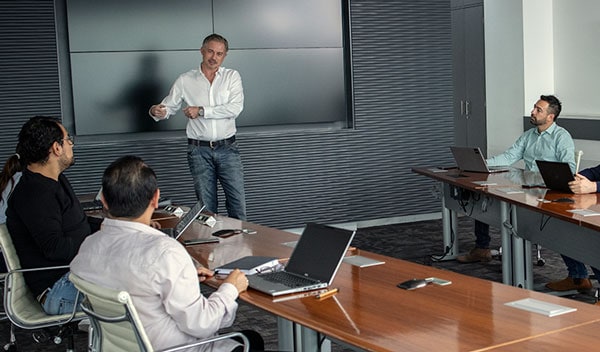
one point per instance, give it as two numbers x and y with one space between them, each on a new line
222 164
61 298
482 235
577 269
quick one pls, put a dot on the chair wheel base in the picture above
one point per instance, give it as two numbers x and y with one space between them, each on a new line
11 347
40 336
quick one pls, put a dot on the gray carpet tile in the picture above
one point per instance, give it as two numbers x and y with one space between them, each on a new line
419 242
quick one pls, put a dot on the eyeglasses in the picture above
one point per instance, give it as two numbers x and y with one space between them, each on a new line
69 138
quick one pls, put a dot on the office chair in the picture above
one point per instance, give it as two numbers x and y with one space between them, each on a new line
11 345
116 326
21 307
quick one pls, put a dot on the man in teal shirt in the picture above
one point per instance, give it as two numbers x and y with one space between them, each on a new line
546 141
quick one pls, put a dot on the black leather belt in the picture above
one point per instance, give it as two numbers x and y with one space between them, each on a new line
211 144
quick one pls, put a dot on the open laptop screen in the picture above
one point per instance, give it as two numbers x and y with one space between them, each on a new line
556 175
319 251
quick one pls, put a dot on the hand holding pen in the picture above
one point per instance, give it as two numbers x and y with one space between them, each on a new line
204 273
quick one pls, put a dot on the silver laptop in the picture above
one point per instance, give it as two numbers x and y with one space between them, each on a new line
313 264
94 204
185 221
471 159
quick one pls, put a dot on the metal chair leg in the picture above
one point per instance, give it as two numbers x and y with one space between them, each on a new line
540 261
11 346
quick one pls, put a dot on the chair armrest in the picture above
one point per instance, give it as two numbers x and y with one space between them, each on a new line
17 271
38 269
246 343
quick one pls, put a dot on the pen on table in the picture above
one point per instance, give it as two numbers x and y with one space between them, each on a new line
579 154
327 294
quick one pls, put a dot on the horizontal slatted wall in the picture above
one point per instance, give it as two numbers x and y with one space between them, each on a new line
28 67
401 57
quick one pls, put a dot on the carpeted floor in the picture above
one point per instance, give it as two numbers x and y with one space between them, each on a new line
418 242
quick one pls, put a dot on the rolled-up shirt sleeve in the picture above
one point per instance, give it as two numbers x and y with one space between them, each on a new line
229 101
195 314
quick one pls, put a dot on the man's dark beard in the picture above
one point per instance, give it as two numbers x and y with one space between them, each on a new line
65 165
533 121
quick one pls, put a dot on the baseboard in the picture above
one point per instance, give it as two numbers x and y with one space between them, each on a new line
353 225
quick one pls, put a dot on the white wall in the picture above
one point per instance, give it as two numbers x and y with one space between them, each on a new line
576 55
504 72
538 47
577 65
538 53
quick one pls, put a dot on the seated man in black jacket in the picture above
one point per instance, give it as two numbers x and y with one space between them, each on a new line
586 182
44 217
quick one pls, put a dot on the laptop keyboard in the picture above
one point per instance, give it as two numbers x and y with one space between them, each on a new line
287 279
91 205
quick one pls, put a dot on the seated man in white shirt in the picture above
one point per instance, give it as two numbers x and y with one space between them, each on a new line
128 254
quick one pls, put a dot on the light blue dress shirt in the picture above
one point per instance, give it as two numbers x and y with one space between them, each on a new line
554 144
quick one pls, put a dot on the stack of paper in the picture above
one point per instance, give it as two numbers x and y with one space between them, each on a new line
510 190
584 212
360 261
541 307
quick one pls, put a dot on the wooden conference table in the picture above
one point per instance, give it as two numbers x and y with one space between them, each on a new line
582 337
371 313
523 215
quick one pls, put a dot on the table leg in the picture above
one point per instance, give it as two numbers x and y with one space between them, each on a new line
285 335
507 248
310 341
295 337
449 228
516 263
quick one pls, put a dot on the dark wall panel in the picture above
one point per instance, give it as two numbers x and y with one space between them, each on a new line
401 59
125 55
580 128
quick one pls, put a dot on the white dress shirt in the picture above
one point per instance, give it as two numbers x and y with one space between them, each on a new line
160 276
223 101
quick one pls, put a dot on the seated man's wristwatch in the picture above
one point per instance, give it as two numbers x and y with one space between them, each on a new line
200 111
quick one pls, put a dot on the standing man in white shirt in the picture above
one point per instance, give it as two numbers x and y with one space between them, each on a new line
214 97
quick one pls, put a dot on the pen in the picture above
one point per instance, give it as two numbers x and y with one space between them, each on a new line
327 294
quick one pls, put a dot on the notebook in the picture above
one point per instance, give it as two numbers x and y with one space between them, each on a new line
312 265
556 175
249 265
471 159
185 221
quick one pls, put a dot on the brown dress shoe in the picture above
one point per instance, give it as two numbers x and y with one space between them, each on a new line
569 284
476 255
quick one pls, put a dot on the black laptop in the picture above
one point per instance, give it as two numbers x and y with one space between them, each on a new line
556 175
313 264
